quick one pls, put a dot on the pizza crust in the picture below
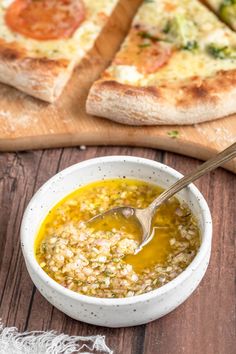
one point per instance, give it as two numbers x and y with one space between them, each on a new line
43 68
39 77
195 101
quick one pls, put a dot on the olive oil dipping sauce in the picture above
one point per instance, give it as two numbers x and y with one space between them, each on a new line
97 258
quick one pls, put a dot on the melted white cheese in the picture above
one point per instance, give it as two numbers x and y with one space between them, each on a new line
73 48
126 73
183 64
219 36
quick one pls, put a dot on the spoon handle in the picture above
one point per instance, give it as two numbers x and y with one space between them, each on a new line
207 166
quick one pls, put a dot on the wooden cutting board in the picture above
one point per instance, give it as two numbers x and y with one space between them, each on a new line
27 123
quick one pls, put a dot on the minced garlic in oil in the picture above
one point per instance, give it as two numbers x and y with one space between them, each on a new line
97 259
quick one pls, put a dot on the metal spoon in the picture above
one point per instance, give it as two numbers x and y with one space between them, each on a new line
144 216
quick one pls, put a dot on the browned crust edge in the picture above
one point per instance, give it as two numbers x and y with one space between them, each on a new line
39 77
194 101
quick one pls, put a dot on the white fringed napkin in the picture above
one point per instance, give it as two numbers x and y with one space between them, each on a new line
38 342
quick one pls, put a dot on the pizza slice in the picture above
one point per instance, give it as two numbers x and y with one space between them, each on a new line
41 41
176 66
225 9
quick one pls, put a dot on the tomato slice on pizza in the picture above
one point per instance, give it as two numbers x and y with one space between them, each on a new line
145 51
45 19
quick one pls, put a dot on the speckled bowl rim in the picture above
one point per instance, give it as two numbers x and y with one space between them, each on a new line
28 252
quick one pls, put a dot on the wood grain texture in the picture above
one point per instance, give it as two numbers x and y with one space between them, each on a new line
27 123
204 324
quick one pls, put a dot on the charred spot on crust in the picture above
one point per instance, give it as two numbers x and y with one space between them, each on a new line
20 56
195 94
198 92
152 90
126 89
109 83
227 78
51 63
148 90
130 92
10 54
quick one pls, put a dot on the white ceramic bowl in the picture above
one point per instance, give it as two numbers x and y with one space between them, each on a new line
126 311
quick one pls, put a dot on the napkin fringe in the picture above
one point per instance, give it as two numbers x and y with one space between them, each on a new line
39 342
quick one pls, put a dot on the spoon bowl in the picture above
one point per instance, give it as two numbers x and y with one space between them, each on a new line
144 216
139 216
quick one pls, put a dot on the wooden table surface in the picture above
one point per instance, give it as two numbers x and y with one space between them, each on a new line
204 324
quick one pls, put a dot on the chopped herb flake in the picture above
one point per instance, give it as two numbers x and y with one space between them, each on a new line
191 46
174 134
144 45
147 35
221 52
